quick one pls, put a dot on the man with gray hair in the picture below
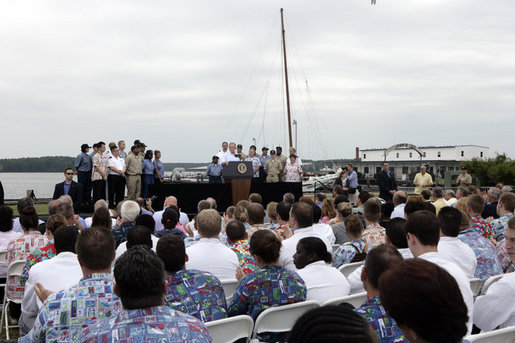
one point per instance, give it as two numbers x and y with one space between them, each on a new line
230 156
399 200
438 202
129 212
492 199
462 192
450 197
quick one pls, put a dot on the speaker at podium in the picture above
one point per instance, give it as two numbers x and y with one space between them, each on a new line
239 174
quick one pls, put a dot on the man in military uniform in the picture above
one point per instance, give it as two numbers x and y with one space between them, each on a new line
464 179
273 167
239 151
283 159
133 173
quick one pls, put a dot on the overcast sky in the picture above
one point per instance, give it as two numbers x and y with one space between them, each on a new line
183 76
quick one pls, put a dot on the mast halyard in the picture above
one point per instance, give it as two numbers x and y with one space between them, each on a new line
286 81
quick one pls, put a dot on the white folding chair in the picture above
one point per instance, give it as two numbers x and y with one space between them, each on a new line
335 247
355 300
230 329
280 318
3 259
347 269
14 269
491 280
475 286
229 289
506 335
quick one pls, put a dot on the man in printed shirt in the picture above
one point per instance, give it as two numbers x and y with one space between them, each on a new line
141 284
374 233
237 238
190 291
487 262
90 300
378 261
283 217
505 208
475 205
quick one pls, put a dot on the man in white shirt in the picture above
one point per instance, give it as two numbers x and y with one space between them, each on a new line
115 177
209 254
450 197
230 156
497 307
324 229
450 247
169 201
222 152
399 200
323 281
293 151
301 220
55 274
423 234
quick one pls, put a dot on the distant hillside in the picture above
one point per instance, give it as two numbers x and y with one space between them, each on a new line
46 164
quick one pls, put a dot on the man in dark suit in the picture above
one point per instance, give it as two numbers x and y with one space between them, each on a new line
1 190
386 182
69 187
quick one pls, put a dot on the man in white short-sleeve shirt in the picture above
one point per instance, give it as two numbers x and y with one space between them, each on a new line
209 254
423 234
301 220
230 156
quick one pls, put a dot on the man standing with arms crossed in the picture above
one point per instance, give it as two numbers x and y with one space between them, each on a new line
133 170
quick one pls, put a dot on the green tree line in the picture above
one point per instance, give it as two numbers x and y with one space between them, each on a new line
492 170
46 164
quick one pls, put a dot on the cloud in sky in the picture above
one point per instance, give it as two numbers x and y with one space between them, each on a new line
184 76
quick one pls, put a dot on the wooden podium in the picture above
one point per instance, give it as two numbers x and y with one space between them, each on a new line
239 174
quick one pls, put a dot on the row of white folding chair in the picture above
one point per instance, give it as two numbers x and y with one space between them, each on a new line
274 319
491 280
355 300
475 286
335 247
506 335
14 269
347 269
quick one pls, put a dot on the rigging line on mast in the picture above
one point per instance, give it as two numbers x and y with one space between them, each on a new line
251 118
236 110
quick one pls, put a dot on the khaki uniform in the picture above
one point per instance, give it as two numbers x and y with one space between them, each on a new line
282 159
464 180
243 156
133 171
273 168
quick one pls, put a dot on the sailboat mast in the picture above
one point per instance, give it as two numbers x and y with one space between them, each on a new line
286 82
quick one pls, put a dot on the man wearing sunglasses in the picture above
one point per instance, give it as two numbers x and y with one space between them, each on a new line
69 187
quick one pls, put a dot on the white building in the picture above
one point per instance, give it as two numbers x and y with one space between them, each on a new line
406 158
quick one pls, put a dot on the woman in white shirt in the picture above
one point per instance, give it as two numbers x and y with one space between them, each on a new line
323 281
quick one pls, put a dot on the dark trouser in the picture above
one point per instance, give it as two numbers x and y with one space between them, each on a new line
1 193
84 178
99 190
215 179
262 174
116 187
157 181
148 179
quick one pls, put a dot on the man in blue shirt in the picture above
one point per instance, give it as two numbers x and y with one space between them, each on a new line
263 158
84 166
140 284
353 184
214 171
379 260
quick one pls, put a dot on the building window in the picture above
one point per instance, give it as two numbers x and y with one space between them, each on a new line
397 155
364 156
431 169
378 170
410 154
462 153
405 170
481 154
451 168
439 154
424 154
366 170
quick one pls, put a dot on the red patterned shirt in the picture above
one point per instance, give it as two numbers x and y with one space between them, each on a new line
247 263
38 255
480 224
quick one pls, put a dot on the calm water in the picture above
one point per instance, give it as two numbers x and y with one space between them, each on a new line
17 184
